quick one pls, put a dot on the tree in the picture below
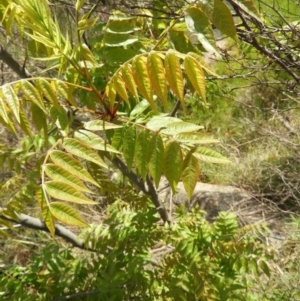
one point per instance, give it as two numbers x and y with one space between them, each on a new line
109 102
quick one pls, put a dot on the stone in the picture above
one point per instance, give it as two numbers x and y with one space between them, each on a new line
211 198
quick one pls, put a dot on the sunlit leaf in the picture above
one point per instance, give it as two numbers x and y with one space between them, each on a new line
141 153
46 214
33 94
24 123
156 158
111 93
210 156
157 75
64 90
141 78
190 173
174 76
173 164
180 127
129 145
86 24
196 75
57 173
120 88
3 110
67 214
72 165
139 108
39 118
79 149
94 141
223 19
129 81
194 138
65 192
202 63
48 92
160 122
100 125
12 100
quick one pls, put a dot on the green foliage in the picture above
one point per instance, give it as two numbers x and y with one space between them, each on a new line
123 84
64 150
138 258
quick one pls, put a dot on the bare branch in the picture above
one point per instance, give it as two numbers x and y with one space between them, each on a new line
13 64
36 224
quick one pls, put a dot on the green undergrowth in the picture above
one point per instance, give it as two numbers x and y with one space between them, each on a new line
137 258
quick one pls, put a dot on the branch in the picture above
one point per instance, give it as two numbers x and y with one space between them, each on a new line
175 109
36 224
250 36
147 188
13 64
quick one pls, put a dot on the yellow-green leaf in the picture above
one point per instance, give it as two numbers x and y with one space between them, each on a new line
202 63
12 100
67 214
174 76
46 88
87 54
3 110
94 141
111 93
100 125
157 75
208 155
129 145
129 81
33 94
141 78
180 127
141 153
46 214
39 118
173 164
194 138
190 173
64 90
24 123
72 165
156 158
120 87
57 173
79 149
160 122
65 192
79 4
196 75
86 24
223 19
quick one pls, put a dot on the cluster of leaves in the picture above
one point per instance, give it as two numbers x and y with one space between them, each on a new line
59 157
124 81
138 258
